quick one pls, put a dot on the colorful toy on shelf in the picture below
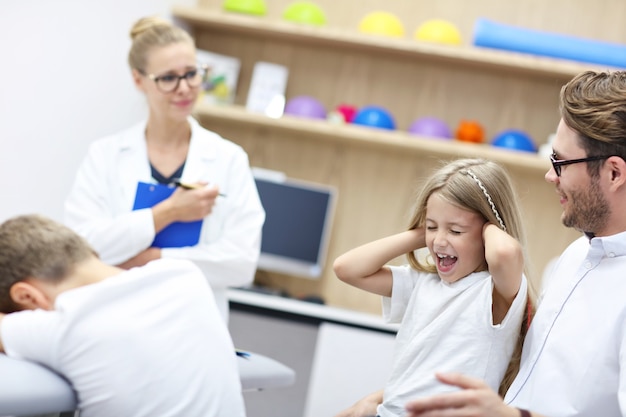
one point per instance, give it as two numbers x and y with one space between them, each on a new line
470 131
382 23
305 12
347 112
514 139
255 7
430 127
305 106
374 116
438 31
496 35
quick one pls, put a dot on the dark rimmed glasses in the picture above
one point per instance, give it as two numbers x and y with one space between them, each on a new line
169 82
558 163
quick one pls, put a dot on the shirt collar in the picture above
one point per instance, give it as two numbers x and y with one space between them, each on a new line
468 280
612 246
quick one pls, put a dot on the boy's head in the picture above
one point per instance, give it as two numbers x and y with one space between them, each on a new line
35 247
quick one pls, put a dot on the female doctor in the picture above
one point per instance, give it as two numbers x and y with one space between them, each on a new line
169 146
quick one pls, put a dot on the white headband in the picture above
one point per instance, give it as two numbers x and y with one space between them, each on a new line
484 190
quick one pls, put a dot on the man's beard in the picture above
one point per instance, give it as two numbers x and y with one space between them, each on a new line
589 210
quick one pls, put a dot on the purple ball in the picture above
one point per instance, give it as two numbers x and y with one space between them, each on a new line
305 106
432 127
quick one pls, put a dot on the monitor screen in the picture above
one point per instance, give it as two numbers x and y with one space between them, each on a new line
298 217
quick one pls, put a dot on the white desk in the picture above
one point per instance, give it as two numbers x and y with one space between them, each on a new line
321 313
27 388
339 355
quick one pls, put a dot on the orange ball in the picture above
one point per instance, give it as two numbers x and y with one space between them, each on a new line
470 131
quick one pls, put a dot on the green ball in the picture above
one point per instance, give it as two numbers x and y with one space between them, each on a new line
256 7
305 12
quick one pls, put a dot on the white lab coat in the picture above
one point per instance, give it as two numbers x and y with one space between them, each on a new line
99 206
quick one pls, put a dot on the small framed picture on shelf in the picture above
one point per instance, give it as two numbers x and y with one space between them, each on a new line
267 89
220 83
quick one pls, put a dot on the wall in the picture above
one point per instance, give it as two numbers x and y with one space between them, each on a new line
65 82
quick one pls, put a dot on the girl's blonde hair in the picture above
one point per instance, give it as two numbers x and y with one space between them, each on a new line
150 32
482 187
476 185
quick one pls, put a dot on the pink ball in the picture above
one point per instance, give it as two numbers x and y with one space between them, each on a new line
305 106
347 111
432 127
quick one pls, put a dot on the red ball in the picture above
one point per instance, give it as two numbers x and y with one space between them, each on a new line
470 131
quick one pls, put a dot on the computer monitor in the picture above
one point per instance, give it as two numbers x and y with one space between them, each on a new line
298 219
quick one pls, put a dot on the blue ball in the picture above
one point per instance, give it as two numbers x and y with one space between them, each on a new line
516 140
374 116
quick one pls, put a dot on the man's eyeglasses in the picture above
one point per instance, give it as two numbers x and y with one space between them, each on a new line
558 163
169 82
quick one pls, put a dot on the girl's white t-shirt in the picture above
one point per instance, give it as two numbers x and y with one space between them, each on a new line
445 328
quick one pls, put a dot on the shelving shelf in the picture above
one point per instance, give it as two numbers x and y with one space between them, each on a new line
469 57
372 137
375 168
341 38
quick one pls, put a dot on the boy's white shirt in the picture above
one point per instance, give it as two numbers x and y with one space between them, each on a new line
147 342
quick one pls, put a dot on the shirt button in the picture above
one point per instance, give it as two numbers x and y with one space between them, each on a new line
588 265
611 254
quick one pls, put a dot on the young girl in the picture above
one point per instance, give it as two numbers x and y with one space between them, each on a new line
462 308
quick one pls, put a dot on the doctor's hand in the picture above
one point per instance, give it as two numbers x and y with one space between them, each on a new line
194 204
475 399
184 205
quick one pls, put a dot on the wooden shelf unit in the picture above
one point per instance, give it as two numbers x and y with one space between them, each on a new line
377 172
352 40
372 138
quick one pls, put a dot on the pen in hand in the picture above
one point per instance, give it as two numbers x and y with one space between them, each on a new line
186 186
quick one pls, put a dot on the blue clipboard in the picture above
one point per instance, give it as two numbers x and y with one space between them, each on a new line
177 234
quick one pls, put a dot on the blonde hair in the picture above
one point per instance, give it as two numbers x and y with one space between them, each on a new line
150 32
476 185
593 104
483 187
35 246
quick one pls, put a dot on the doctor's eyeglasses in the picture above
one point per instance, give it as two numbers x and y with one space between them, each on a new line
169 82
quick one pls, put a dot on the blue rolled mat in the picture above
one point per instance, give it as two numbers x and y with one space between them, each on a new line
500 36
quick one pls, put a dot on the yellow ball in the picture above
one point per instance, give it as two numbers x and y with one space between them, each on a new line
221 90
382 23
438 31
